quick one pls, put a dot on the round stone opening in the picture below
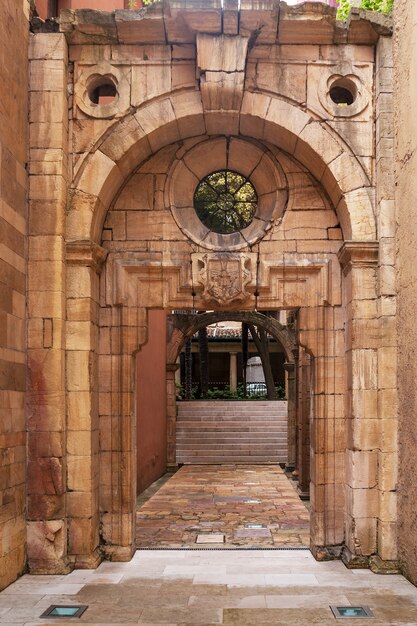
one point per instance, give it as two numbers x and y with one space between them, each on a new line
225 201
102 91
343 92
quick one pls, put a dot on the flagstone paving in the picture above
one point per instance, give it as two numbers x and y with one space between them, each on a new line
225 499
229 587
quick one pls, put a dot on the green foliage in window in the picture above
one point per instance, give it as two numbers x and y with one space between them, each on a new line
225 202
382 6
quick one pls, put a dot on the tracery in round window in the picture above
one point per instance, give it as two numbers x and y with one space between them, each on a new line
225 201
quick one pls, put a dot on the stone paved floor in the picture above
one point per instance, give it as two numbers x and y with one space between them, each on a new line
207 499
230 587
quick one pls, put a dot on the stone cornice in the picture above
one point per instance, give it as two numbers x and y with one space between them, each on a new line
358 254
178 21
85 253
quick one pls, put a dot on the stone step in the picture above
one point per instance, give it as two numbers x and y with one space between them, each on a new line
198 417
231 402
230 453
239 459
231 435
231 418
253 406
231 428
216 432
230 445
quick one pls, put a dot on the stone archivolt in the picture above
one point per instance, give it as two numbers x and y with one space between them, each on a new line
133 243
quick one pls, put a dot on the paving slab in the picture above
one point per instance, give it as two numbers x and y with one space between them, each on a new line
219 499
230 587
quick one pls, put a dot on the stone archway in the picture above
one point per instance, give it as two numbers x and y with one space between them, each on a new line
263 117
183 326
135 280
117 258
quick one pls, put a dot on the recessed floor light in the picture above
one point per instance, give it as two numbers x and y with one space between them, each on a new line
251 501
210 538
64 611
349 612
255 526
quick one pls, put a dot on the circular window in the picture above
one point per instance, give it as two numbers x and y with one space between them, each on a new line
225 202
343 92
102 91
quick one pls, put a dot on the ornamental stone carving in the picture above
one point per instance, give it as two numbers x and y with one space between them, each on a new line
223 278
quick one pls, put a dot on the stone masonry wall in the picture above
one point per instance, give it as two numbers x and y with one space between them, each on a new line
188 103
405 63
13 115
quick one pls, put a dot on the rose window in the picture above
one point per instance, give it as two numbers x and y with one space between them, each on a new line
225 202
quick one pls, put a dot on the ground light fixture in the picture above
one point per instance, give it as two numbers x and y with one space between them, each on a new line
349 612
66 611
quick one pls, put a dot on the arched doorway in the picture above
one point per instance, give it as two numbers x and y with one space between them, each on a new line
183 326
147 271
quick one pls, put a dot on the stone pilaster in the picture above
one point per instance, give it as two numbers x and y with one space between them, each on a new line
84 262
46 402
387 305
359 263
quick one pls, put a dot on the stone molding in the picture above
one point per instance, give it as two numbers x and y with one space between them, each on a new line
179 21
358 254
299 281
86 253
244 156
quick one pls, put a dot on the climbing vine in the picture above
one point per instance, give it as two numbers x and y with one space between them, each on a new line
382 6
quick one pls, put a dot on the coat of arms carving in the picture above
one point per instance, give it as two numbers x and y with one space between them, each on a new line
224 278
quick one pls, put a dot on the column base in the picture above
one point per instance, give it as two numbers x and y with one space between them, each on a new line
119 553
326 553
372 562
379 566
88 561
354 561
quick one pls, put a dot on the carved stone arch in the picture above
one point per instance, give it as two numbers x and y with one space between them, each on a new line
183 326
267 118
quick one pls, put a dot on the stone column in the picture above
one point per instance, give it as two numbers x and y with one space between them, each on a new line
303 402
127 326
46 402
359 262
322 336
172 369
233 371
84 262
292 411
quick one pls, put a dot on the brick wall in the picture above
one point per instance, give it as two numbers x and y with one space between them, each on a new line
13 129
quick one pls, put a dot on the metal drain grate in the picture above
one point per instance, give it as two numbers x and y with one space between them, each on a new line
349 612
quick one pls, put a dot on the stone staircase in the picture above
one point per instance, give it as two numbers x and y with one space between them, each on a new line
217 431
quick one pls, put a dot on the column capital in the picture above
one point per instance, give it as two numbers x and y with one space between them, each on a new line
85 253
358 254
172 367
